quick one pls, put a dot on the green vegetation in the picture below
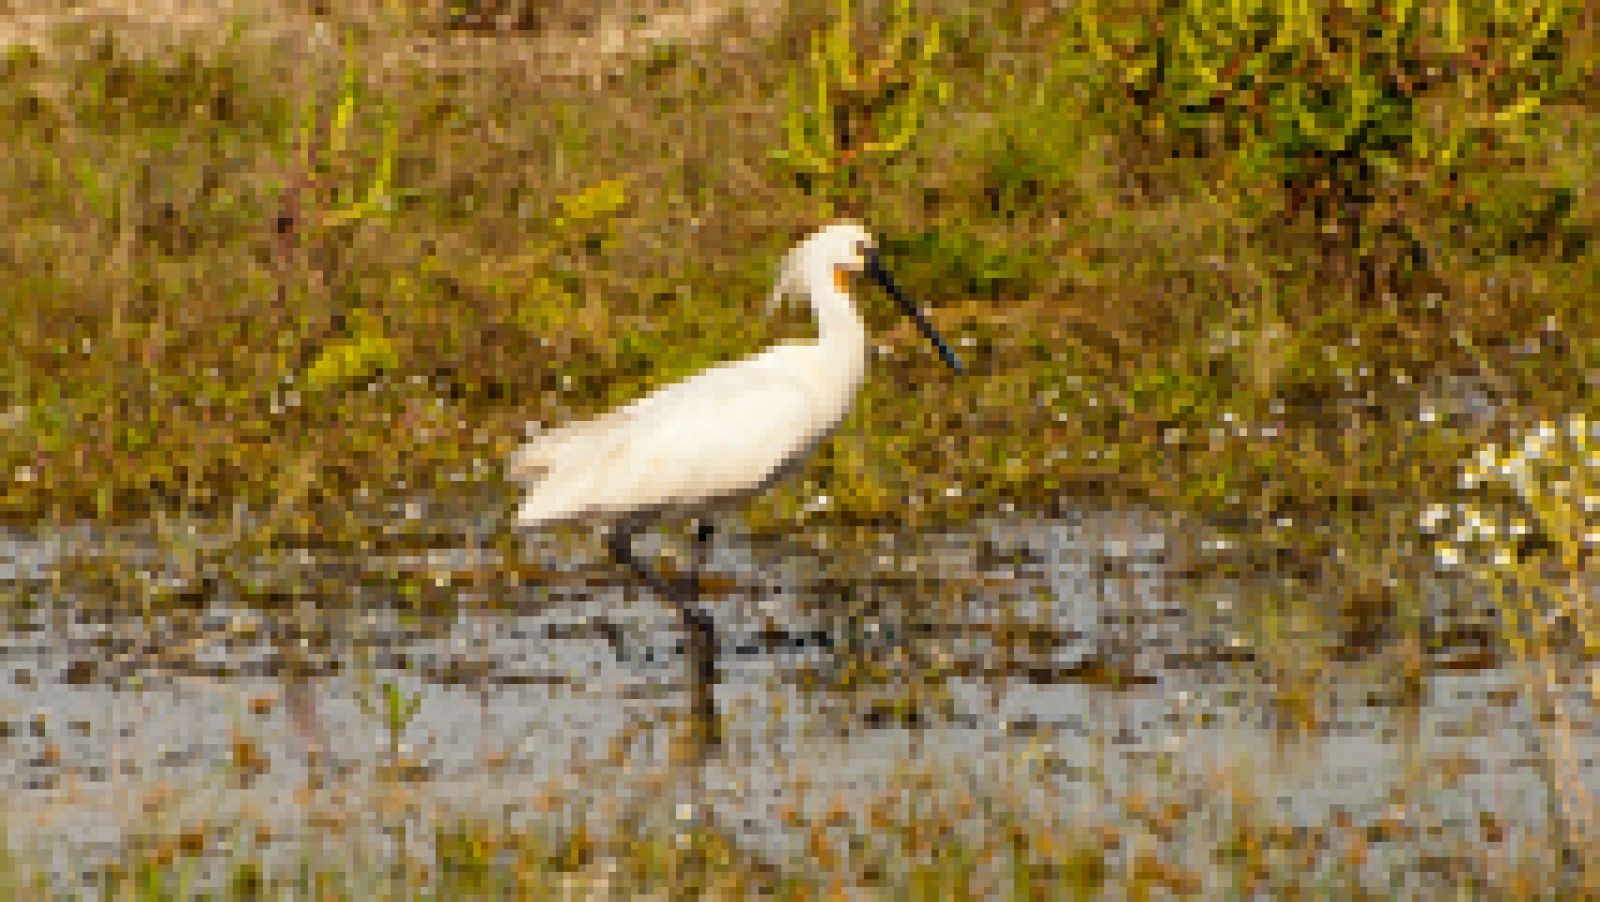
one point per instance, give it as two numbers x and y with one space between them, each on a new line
1288 266
1530 528
858 111
392 708
898 847
212 291
1362 117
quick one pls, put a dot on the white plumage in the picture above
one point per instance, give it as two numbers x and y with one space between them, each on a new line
723 433
716 436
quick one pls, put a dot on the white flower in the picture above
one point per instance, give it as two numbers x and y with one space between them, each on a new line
1478 525
1448 555
1516 464
1533 446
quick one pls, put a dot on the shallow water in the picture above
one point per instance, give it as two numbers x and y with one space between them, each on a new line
1065 661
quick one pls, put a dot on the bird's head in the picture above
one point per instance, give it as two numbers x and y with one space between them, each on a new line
845 248
839 251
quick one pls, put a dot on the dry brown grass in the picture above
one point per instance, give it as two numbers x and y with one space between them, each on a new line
1113 332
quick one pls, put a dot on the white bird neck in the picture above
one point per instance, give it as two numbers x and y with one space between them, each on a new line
837 320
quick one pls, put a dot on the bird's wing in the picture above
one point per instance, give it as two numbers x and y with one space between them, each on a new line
779 364
721 432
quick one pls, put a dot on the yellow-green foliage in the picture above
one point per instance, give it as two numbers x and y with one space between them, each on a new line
542 275
394 709
859 108
327 148
177 246
1328 103
364 354
592 205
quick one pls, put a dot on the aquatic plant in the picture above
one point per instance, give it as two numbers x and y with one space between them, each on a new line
1534 523
394 708
859 109
1531 532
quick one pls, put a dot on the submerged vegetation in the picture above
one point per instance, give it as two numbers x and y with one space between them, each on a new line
897 849
1298 270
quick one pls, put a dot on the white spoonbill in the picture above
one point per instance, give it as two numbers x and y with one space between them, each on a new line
718 436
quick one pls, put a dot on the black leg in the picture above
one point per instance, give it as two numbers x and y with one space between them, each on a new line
702 649
699 629
702 631
620 541
703 531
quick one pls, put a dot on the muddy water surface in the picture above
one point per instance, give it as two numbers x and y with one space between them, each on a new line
1065 662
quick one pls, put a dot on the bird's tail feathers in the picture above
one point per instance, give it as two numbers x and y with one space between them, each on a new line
544 449
528 463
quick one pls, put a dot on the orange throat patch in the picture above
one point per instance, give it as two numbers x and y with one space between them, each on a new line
841 278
